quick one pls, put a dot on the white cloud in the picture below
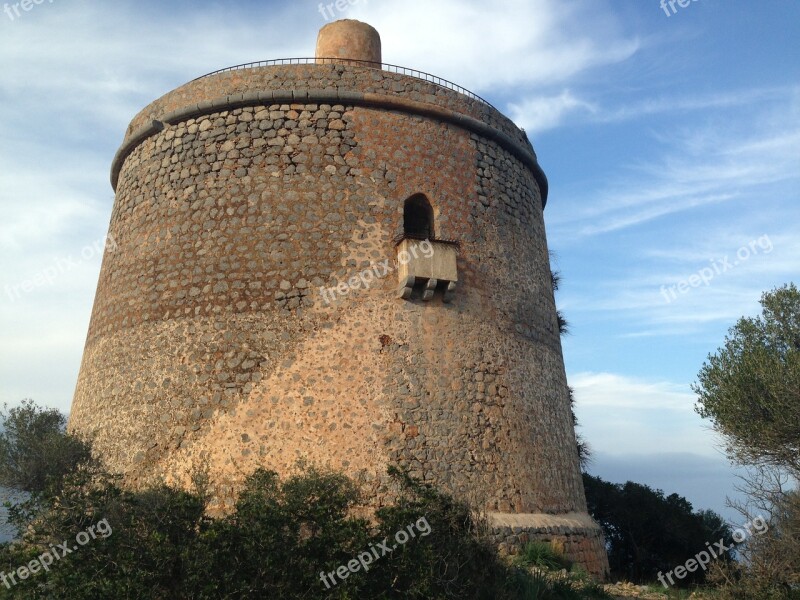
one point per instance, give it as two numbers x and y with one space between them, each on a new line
618 392
620 414
541 113
508 43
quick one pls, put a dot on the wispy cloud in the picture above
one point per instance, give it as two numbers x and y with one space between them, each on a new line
622 414
698 165
682 104
646 302
541 113
616 392
491 50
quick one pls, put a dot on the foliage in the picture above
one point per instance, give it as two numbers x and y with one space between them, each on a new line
276 542
554 575
543 556
750 389
35 450
454 561
769 565
647 532
555 281
735 581
584 451
540 584
279 539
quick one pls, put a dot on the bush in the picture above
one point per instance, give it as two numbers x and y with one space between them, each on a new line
89 537
281 541
35 450
138 553
543 556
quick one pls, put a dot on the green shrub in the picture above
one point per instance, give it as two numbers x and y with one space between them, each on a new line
543 556
286 539
36 453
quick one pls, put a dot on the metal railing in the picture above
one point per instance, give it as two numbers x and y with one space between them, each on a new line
444 83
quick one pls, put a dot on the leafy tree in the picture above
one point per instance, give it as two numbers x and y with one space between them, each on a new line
750 389
648 533
35 450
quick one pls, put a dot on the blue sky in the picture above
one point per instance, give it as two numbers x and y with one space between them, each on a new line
672 145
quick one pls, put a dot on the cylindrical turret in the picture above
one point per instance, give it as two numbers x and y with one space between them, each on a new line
342 265
349 39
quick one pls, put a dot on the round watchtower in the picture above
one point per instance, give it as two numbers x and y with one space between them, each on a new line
341 262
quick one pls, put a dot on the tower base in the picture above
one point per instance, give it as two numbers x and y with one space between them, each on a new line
576 534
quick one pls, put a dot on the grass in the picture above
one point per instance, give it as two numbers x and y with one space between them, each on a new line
680 594
554 577
542 556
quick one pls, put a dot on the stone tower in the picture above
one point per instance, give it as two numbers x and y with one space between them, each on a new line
341 262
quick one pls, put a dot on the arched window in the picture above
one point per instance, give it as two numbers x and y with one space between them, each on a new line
418 218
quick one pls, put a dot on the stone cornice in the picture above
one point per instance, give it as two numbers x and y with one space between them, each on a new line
332 96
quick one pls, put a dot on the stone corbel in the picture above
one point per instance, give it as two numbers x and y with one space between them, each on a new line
449 292
406 287
430 289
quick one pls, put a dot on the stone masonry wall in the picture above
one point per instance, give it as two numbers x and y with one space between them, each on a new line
583 545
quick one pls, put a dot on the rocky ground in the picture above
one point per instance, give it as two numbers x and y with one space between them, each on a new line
626 591
623 591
